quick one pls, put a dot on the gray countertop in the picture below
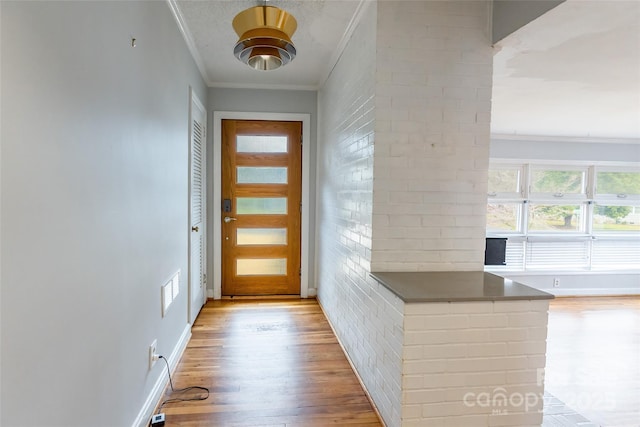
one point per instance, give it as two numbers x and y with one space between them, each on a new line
455 286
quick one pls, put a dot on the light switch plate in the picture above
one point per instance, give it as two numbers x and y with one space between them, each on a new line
167 297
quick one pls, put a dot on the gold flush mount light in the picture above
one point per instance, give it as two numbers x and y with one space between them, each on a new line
265 37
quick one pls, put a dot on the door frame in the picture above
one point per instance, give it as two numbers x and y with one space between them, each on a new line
218 116
192 311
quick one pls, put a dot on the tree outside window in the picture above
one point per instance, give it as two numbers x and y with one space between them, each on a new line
616 218
555 218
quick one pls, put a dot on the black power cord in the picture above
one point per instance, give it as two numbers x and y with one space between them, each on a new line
177 399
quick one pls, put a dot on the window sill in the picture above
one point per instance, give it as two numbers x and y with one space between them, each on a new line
501 271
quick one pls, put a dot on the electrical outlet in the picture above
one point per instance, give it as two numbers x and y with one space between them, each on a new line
556 282
152 353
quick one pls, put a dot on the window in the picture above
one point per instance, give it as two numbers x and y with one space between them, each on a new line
621 185
555 218
504 217
565 217
505 181
609 218
558 183
616 202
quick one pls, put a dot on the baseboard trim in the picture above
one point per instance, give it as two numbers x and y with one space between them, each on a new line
353 367
592 292
142 420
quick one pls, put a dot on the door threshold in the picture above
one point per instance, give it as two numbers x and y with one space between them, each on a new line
259 297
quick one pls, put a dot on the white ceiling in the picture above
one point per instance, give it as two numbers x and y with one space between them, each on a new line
323 28
575 71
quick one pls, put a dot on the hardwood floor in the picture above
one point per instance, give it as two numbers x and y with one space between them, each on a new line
593 358
268 363
277 363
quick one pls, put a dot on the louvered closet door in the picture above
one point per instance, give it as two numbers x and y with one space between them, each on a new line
262 190
197 257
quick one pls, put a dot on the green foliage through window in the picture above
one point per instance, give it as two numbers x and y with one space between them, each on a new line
557 181
618 183
616 218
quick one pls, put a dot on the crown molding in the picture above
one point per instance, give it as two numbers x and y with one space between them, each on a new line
351 27
188 38
261 86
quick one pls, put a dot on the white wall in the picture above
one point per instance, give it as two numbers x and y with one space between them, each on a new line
468 363
94 206
581 284
402 169
264 101
433 109
352 300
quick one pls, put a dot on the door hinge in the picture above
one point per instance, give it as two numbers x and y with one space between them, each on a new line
301 139
300 272
300 206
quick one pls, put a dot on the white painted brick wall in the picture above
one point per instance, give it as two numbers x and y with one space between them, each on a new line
460 358
366 316
433 105
417 76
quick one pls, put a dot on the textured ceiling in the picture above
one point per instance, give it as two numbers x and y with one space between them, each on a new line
322 25
575 72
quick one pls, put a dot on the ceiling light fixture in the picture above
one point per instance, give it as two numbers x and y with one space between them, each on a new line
265 37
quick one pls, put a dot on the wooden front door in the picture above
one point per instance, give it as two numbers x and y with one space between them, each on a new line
261 199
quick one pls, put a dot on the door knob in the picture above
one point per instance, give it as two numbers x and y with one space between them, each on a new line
196 229
228 219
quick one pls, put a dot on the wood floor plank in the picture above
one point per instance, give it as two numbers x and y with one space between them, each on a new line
267 363
593 358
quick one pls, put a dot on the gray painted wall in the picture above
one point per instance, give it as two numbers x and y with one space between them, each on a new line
264 101
571 284
510 15
94 206
565 151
